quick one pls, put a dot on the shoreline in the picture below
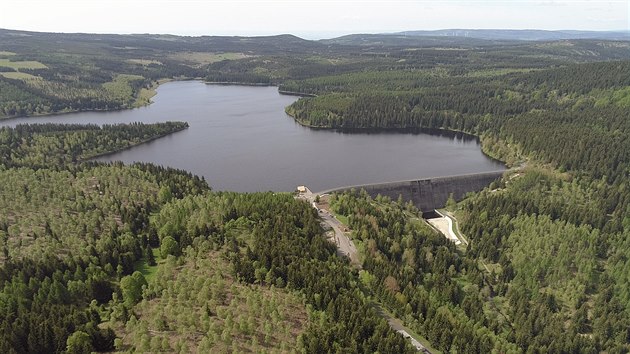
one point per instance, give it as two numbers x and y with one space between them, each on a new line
136 104
51 114
295 93
147 99
152 91
291 113
103 154
259 84
409 130
237 83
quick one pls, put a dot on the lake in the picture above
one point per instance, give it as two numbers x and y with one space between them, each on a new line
240 139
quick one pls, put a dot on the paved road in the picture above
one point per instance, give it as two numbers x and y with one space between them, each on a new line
345 246
397 326
451 217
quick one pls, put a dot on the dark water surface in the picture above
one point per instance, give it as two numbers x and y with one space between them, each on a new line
240 139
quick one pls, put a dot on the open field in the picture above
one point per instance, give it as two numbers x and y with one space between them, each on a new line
144 61
204 58
27 64
498 72
18 75
121 86
144 96
148 271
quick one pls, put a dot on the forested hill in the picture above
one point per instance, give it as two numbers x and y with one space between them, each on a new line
43 73
474 37
522 35
24 40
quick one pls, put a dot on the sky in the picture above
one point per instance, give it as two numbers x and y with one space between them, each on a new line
308 18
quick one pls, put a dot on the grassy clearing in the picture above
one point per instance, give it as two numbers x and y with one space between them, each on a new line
17 65
6 54
204 58
360 245
144 95
18 75
144 62
343 219
121 87
143 267
496 72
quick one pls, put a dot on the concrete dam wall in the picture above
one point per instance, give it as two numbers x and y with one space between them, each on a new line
431 193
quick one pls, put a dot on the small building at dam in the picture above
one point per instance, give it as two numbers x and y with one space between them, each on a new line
430 193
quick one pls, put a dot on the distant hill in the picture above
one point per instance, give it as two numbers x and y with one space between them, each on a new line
520 35
402 40
466 38
14 40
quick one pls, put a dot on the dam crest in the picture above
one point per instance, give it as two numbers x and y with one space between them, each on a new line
430 193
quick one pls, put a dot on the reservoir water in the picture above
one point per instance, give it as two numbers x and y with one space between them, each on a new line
240 139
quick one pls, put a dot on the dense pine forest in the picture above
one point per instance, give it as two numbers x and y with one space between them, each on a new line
143 258
41 145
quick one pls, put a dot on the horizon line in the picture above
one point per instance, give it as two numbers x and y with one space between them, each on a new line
339 33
